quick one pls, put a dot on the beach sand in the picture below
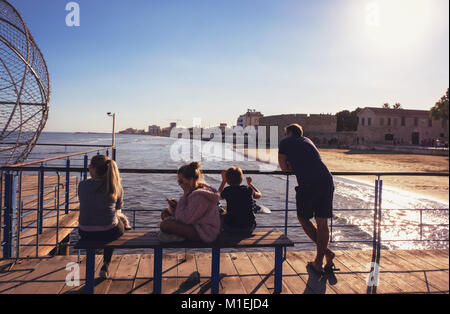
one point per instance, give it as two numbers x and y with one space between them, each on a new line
344 160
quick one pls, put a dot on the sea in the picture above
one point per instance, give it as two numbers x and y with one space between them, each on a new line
353 222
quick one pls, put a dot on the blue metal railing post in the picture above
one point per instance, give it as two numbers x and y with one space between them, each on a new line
286 214
85 166
67 185
90 271
157 270
278 282
114 154
380 212
215 271
10 210
41 199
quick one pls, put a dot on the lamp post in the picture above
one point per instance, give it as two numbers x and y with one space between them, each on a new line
113 115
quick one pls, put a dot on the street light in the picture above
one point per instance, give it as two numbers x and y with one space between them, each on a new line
113 115
114 151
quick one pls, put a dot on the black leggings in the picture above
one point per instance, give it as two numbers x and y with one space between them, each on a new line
104 236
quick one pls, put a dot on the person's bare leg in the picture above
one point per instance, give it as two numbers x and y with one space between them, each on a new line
311 232
323 238
309 228
172 226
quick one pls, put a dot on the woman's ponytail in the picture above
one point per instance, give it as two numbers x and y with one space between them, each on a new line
108 172
113 185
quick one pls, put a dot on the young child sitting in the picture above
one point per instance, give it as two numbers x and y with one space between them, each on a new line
239 218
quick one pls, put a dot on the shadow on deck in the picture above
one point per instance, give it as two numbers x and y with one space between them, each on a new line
417 271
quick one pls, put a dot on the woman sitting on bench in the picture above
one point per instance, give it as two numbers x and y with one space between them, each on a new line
195 216
101 202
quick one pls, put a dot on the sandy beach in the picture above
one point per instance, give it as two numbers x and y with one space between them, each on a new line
343 160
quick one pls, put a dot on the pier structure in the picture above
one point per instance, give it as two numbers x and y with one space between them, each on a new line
39 207
30 265
415 271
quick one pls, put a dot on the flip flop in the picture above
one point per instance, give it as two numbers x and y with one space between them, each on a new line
331 268
310 265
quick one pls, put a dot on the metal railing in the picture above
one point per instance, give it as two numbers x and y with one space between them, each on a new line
12 203
14 211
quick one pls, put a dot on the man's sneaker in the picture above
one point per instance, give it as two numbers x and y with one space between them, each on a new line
104 272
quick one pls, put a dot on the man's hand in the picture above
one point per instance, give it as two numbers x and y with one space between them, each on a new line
249 180
224 176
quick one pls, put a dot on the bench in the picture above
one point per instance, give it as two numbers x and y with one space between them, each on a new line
267 238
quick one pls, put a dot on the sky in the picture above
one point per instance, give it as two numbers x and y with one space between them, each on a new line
162 61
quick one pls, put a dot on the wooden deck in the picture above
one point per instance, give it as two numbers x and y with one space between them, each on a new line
28 238
417 271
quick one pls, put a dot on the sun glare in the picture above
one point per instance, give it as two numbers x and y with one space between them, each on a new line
399 24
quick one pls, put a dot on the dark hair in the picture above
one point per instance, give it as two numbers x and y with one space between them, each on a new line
295 129
234 176
191 171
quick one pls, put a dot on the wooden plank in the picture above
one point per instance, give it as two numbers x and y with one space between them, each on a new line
146 239
28 236
203 262
187 269
357 281
170 274
123 280
103 286
315 284
77 290
265 268
436 279
401 272
434 258
55 281
291 279
252 281
31 282
361 261
343 284
409 271
17 274
404 278
143 284
230 283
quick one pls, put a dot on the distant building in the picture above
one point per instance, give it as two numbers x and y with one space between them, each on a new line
320 128
400 126
166 131
154 130
132 131
251 118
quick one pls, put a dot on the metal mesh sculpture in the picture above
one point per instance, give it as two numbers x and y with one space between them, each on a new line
24 88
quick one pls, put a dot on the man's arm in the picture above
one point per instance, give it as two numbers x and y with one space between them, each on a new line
284 164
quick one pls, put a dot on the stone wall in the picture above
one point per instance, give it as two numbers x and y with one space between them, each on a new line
320 127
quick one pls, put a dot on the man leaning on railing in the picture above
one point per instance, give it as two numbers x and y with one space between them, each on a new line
299 155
